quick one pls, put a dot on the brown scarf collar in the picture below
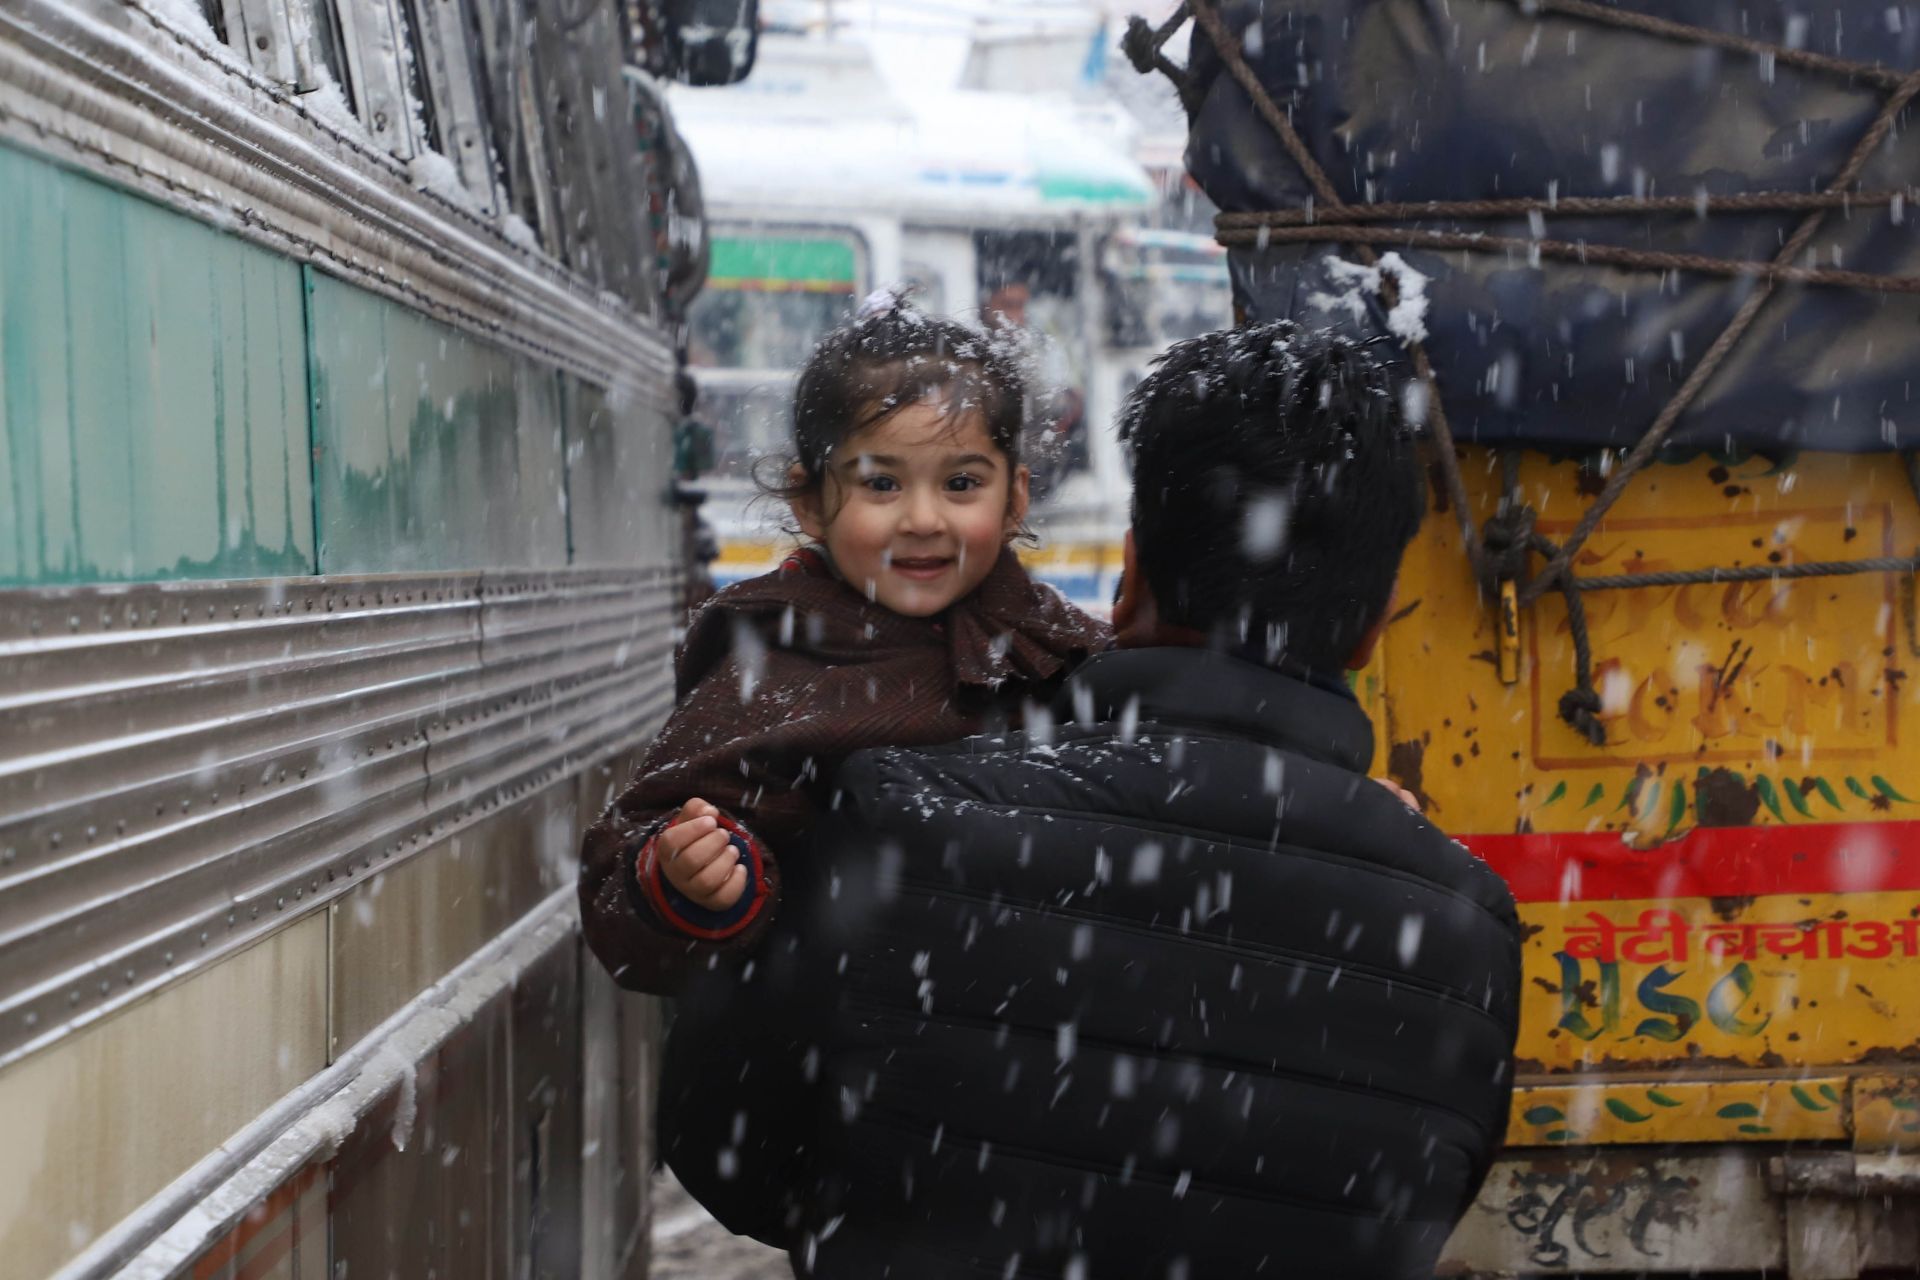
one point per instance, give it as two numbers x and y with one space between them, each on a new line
1009 628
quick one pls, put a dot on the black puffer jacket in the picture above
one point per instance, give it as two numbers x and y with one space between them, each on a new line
1175 994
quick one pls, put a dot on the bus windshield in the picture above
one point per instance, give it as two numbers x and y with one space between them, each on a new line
770 298
1163 286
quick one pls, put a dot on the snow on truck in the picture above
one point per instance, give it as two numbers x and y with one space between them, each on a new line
1651 274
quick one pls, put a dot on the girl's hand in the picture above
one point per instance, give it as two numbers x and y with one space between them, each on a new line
698 858
1405 796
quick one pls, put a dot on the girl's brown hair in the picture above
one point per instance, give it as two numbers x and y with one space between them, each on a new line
889 356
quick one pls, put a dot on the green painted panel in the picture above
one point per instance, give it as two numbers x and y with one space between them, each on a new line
619 458
432 449
153 417
782 261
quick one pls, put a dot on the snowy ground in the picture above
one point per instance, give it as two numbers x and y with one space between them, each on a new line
690 1245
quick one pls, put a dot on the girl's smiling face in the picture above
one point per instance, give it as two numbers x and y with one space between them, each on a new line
915 509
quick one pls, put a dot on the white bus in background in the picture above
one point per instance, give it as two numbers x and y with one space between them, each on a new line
823 184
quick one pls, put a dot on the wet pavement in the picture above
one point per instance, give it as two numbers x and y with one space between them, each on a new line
689 1245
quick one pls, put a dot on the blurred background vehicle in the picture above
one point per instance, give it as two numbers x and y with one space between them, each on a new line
1035 190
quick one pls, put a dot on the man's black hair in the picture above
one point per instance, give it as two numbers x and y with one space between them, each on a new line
1276 486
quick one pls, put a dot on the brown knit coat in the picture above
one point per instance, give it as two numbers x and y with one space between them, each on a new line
779 679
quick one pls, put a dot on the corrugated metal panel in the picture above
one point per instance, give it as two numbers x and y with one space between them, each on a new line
185 767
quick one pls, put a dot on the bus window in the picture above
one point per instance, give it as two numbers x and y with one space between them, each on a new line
769 299
1030 287
323 55
416 70
924 287
1162 286
505 75
749 422
215 12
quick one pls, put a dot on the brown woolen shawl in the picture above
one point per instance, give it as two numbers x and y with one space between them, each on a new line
779 679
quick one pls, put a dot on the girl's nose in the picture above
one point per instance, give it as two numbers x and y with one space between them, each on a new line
922 513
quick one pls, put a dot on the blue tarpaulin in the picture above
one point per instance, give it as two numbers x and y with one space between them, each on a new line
1474 100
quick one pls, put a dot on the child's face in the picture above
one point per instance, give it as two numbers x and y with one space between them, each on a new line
916 508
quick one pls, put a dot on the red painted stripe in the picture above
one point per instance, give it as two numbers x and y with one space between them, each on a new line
1708 862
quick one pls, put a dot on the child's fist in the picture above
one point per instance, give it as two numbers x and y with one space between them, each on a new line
699 860
1400 793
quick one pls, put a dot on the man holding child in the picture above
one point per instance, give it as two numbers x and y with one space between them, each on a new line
1157 984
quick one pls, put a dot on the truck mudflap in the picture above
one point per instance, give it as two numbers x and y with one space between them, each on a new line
1812 1215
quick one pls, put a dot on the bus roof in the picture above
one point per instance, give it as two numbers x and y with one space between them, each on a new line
817 129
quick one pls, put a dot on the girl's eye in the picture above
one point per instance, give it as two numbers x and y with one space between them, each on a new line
881 484
962 483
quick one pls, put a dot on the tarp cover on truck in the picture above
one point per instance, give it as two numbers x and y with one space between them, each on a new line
1406 101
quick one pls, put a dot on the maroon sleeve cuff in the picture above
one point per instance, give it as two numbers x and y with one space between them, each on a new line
685 916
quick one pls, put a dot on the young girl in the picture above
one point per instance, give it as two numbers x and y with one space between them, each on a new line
906 621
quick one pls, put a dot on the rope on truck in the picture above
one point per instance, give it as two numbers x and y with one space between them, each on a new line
1503 551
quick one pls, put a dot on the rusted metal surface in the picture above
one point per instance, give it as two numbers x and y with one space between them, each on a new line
1684 1211
1721 902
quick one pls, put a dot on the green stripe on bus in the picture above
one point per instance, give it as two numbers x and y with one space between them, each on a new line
1086 190
785 259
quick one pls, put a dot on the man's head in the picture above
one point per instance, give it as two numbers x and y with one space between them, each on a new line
1275 488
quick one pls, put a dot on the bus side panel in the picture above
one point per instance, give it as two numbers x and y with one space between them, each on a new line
99 1123
433 449
421 1187
619 460
153 415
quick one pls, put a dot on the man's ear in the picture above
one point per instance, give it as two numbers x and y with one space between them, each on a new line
1018 498
1363 652
806 505
1134 607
